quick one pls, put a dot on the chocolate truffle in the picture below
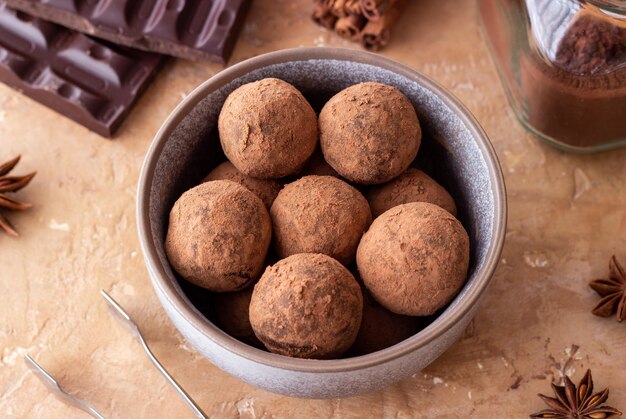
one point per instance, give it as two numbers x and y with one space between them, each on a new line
411 186
319 214
307 306
266 189
267 129
414 258
380 328
218 235
317 166
369 133
233 310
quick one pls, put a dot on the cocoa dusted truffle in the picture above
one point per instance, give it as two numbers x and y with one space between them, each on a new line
411 186
414 258
319 214
369 133
218 235
233 310
266 189
267 129
380 328
307 306
317 166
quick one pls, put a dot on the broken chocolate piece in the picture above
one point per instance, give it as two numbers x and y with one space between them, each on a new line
198 29
90 81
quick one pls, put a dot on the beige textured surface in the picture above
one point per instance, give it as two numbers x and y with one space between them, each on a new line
567 216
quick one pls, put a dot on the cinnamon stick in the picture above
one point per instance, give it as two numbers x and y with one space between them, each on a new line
323 16
376 33
353 7
369 8
337 7
367 21
350 26
374 9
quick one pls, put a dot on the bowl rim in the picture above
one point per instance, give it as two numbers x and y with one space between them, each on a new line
192 317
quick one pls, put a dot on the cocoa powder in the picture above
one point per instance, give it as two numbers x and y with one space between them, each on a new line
565 73
580 97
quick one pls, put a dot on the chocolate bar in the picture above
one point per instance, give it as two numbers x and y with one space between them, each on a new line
192 29
88 80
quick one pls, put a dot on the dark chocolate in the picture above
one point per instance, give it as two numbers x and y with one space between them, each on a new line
90 81
192 29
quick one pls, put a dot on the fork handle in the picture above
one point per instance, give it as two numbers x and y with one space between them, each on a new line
192 405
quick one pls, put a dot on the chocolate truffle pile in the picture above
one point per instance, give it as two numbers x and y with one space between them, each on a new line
285 199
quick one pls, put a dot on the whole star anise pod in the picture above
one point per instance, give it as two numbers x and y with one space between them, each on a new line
10 184
612 291
581 403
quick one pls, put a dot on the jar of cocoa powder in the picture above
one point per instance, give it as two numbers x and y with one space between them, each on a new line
563 65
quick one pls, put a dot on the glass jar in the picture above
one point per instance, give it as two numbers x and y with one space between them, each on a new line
563 65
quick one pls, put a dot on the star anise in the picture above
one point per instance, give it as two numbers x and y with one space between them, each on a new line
612 291
10 184
581 403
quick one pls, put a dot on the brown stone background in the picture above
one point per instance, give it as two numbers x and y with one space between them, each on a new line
567 216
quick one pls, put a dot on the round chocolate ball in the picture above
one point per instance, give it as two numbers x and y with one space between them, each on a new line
218 235
266 189
414 258
267 129
369 133
380 328
307 306
411 186
317 166
319 214
233 310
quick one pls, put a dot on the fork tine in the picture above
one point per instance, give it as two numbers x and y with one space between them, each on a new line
58 391
121 316
117 309
118 312
47 379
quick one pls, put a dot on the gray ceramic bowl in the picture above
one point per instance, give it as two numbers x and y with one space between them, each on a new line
455 151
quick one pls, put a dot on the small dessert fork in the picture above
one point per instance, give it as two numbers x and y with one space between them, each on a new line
54 386
118 312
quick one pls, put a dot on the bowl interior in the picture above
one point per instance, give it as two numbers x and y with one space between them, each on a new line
188 147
